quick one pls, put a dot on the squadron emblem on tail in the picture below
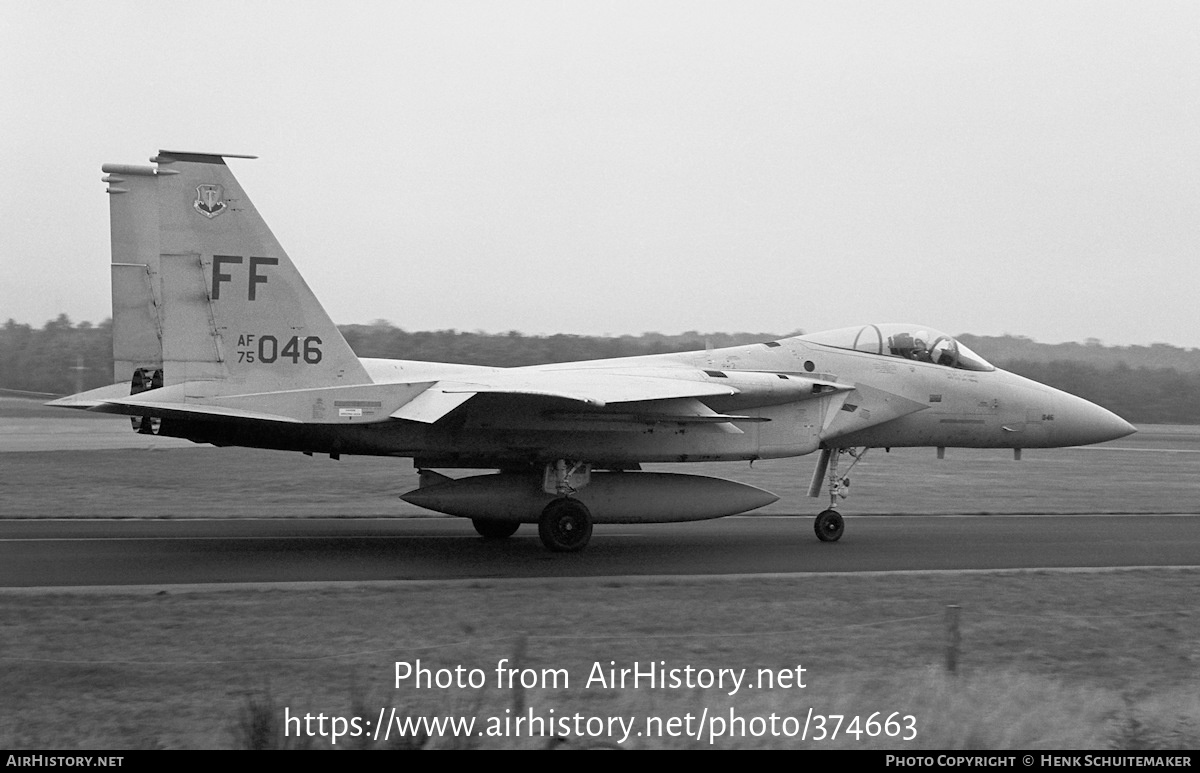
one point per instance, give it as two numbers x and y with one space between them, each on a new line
210 200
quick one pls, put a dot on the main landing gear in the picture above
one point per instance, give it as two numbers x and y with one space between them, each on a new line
565 525
829 525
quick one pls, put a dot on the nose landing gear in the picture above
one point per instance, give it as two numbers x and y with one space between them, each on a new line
829 525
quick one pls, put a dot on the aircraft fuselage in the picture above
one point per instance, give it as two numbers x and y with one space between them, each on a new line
894 403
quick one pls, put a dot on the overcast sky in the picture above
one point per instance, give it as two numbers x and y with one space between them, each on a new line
620 167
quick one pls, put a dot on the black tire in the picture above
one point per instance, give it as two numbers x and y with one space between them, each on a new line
565 526
490 529
829 526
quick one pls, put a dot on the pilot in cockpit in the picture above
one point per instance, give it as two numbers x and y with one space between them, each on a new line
920 351
900 345
910 348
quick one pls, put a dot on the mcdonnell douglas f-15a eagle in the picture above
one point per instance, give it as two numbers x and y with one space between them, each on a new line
223 343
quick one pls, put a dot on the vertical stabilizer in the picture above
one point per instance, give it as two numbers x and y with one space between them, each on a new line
133 223
201 284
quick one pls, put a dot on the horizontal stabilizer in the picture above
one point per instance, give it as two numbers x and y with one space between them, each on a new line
159 403
93 397
177 410
201 400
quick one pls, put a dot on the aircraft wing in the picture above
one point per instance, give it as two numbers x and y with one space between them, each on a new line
600 388
596 388
652 395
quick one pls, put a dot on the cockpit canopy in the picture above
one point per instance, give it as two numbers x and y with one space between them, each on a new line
909 342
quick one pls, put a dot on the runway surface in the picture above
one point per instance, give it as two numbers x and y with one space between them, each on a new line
59 553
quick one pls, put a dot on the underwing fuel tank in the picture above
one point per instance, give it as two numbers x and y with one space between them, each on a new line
612 497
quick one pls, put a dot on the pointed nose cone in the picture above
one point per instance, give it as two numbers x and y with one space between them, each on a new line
1079 423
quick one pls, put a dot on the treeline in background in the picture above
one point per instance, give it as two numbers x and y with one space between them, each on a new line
1156 384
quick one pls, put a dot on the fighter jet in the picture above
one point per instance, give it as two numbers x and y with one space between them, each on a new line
218 339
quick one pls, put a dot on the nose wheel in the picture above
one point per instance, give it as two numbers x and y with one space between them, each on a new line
829 526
